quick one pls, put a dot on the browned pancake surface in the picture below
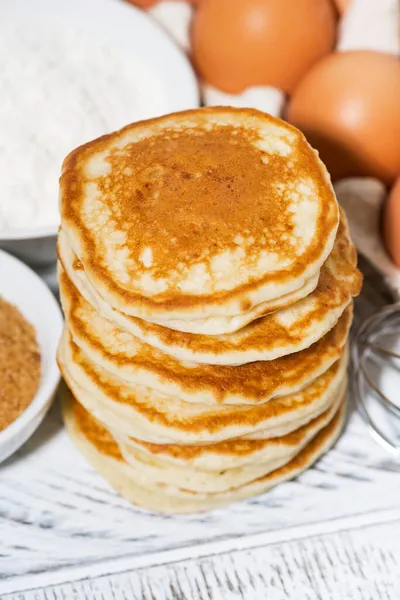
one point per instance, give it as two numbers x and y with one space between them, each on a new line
189 195
253 382
97 435
170 412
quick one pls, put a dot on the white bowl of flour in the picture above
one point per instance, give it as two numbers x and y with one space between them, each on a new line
70 72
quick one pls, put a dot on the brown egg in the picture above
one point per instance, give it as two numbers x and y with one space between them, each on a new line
391 223
242 43
348 106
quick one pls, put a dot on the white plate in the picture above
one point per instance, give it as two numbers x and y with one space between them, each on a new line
23 288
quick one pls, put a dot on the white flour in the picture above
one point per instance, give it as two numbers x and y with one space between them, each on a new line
59 89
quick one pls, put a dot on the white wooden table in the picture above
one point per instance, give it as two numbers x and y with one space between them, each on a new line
334 533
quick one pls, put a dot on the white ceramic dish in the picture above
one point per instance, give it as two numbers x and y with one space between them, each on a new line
123 26
23 288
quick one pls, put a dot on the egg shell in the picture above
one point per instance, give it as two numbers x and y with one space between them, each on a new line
241 43
391 223
348 106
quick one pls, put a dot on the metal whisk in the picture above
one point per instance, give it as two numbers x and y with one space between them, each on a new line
376 380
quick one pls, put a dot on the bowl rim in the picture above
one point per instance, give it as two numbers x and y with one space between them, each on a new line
49 383
28 234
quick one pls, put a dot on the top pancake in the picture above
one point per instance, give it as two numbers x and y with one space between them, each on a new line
196 214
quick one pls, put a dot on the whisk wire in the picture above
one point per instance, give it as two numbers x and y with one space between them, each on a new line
364 343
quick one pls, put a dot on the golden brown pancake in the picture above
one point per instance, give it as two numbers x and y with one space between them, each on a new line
275 335
104 454
146 414
208 326
196 214
152 470
135 362
230 455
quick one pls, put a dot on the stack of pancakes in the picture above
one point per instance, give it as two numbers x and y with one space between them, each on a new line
206 275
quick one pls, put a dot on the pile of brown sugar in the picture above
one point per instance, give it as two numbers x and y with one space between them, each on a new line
19 363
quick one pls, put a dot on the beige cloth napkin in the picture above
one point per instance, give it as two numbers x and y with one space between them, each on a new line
363 198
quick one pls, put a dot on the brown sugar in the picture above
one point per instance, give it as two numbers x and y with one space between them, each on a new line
19 363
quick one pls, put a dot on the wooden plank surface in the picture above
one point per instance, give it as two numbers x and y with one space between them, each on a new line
362 564
325 533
